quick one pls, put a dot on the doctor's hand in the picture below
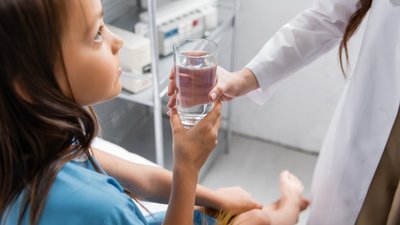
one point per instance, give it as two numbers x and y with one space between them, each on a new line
191 147
229 85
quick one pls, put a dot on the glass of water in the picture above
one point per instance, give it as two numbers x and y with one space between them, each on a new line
195 62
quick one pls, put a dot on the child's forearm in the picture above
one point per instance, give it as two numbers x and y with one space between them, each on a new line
149 182
182 199
158 189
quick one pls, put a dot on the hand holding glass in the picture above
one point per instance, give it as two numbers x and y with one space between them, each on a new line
195 62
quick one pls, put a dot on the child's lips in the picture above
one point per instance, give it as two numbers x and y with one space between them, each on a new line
119 71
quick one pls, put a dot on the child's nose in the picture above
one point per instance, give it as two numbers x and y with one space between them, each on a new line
117 43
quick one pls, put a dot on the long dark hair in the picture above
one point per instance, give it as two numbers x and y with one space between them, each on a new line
354 23
40 128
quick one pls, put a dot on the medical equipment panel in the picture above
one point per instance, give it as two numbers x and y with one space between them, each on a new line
178 20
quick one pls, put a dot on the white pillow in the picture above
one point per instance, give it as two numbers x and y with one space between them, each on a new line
117 150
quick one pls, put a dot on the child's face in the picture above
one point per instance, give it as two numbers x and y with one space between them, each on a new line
90 54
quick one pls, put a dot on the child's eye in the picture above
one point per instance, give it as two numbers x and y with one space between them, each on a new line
99 35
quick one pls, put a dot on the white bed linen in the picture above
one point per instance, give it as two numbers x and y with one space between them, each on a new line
117 150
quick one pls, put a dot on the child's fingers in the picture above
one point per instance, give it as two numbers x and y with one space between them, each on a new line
172 101
172 74
213 116
217 125
216 111
175 120
171 86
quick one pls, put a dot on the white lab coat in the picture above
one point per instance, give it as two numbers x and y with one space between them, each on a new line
366 112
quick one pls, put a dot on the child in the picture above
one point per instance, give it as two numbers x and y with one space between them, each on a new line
57 59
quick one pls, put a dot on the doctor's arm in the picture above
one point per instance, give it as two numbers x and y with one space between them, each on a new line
307 36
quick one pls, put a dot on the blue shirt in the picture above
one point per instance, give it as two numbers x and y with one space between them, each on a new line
82 196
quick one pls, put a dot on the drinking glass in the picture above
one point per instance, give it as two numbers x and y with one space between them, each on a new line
195 62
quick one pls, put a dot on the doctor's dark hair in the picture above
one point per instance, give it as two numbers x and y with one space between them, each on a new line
40 128
354 22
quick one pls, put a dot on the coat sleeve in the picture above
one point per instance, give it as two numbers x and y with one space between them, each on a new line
310 34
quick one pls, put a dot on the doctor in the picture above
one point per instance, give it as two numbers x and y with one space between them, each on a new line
357 174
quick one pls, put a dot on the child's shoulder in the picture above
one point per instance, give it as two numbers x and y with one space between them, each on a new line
88 196
82 196
75 183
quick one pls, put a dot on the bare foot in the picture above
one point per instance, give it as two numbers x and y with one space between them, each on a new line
292 191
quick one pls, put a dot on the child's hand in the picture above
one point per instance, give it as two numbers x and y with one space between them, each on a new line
236 200
191 147
172 89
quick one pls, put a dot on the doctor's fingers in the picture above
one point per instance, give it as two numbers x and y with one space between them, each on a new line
225 98
218 91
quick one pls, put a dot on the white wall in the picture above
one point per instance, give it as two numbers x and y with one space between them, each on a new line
299 113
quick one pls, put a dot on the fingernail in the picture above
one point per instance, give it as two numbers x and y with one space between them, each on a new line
169 113
213 96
